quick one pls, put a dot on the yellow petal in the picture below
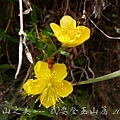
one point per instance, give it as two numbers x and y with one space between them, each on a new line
73 43
41 70
59 72
63 88
48 98
58 33
85 34
34 87
56 29
67 22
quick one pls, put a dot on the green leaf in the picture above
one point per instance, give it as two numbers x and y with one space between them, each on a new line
50 50
9 10
12 39
64 53
47 31
4 67
38 9
6 36
31 38
34 16
41 46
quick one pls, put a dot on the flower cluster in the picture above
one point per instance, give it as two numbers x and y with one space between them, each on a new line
49 81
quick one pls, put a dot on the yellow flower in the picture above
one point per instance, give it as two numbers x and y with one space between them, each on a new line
68 34
50 84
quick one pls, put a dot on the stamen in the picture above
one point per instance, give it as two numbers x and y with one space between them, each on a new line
37 99
40 105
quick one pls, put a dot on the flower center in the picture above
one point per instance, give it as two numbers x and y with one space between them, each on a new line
72 33
49 84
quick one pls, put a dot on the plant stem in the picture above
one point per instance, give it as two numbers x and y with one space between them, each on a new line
61 48
101 78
